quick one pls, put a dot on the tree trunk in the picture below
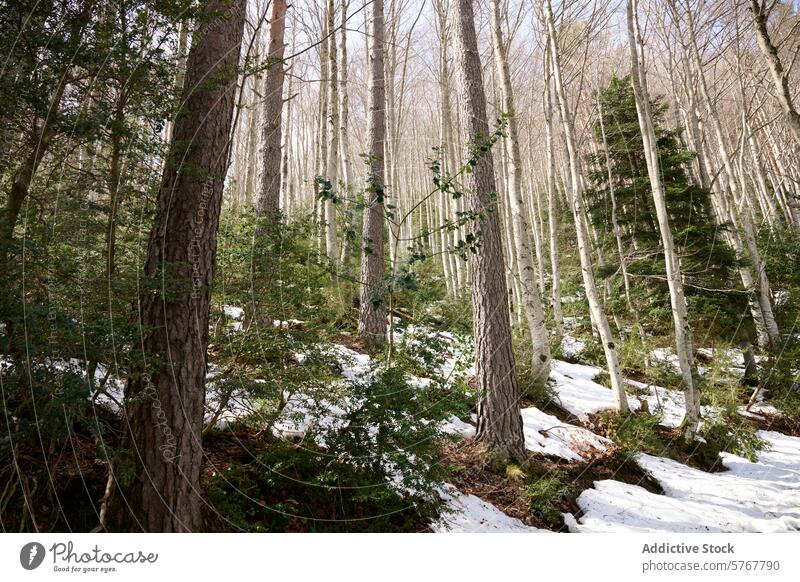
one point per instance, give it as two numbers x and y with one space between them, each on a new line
741 221
331 172
372 307
499 420
683 333
779 77
269 190
166 390
552 206
540 366
599 318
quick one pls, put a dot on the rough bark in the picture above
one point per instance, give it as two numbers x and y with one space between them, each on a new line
269 189
499 420
372 308
166 389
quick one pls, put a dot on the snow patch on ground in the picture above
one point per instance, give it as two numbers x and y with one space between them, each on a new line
464 513
761 496
572 347
457 427
235 315
578 393
576 390
547 435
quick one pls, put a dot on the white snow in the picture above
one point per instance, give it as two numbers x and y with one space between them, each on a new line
750 497
464 513
572 347
578 393
235 315
576 390
457 427
669 404
547 435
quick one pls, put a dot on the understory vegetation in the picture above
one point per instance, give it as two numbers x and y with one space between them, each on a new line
238 282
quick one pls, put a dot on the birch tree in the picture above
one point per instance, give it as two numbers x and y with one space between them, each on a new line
683 333
599 317
531 300
760 11
332 160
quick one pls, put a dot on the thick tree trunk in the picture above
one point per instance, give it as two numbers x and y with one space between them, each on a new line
499 420
683 333
372 307
269 188
529 290
166 390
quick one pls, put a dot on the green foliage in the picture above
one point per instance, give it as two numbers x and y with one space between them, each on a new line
453 312
782 381
633 354
633 432
734 436
287 488
546 493
780 251
706 261
372 469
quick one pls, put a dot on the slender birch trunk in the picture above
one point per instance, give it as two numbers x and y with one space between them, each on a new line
540 366
683 333
741 221
552 206
579 213
332 165
780 77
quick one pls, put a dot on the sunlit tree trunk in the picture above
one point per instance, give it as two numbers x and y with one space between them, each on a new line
165 394
332 162
530 299
499 419
552 206
683 333
599 318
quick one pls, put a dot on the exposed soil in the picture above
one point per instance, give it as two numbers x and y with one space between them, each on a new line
471 475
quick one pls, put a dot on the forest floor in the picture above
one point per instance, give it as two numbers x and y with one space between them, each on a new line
659 495
644 493
583 481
